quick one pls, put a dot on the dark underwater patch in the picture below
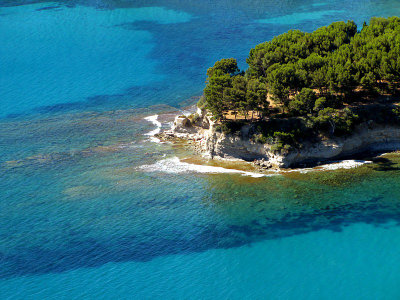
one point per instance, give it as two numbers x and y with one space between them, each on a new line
48 8
85 252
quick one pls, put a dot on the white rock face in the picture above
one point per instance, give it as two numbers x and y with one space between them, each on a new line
382 138
213 144
179 124
182 125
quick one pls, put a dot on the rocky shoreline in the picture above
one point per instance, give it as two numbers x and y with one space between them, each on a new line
200 132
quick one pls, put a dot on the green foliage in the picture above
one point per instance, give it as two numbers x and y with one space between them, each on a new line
283 141
227 89
194 118
334 58
303 102
225 65
214 92
235 96
229 127
312 75
281 134
336 121
294 45
378 113
396 111
280 141
260 138
256 96
202 102
320 104
282 79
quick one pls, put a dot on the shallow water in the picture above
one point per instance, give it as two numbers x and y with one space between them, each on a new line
92 207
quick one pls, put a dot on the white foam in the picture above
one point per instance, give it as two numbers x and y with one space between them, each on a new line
344 164
128 145
174 165
153 119
186 113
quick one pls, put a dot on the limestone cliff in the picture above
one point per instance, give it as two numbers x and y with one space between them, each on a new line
214 144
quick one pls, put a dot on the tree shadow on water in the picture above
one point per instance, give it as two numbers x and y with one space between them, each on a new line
384 164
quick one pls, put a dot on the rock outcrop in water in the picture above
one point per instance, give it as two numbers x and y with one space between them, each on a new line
211 143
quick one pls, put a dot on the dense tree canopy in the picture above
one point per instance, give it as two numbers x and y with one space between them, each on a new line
310 74
228 89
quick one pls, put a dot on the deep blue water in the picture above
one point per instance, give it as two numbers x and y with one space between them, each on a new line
91 208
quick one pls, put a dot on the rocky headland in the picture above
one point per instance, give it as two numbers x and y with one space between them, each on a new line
203 134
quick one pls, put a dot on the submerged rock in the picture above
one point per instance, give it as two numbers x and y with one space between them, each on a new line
262 163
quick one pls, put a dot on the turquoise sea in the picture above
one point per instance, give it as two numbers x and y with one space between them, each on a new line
93 208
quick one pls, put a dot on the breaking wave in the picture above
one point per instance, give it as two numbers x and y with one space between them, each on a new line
153 119
344 164
174 165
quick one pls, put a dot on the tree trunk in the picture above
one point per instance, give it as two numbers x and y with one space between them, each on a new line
333 126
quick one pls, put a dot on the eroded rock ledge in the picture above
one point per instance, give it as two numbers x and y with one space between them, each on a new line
213 144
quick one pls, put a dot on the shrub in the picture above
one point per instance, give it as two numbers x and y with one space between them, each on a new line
285 137
229 127
396 111
336 121
303 102
194 118
320 104
260 138
202 102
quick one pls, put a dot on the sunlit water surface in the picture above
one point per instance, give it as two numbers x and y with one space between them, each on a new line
91 207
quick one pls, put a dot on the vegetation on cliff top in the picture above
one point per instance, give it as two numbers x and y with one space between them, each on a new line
320 78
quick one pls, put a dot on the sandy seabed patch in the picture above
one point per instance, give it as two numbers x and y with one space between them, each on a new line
175 165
